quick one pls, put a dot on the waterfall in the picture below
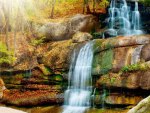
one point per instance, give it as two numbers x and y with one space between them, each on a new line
78 94
136 20
123 21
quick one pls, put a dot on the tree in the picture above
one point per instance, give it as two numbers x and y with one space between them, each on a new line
145 2
86 6
7 22
53 7
95 5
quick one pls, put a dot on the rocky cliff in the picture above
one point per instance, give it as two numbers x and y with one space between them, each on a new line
39 74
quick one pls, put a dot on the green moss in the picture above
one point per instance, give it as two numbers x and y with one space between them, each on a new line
97 45
6 57
58 78
103 62
112 80
103 44
104 3
107 59
135 67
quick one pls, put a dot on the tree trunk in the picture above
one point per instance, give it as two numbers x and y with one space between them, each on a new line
86 5
6 31
94 3
53 7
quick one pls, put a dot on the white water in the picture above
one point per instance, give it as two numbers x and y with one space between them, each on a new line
78 94
123 21
136 20
135 58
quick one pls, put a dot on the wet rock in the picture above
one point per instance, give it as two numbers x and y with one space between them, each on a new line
65 29
123 32
81 37
110 33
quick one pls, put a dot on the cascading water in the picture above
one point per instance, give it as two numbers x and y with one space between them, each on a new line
78 94
136 20
123 21
121 15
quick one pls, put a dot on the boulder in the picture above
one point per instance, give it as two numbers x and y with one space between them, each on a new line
56 31
81 37
142 107
110 33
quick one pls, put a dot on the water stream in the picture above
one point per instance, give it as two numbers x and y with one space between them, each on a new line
136 20
122 20
78 94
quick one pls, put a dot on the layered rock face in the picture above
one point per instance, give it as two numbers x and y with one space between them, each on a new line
123 65
39 74
120 69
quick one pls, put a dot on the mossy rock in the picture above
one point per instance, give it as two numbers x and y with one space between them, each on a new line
58 78
102 62
13 79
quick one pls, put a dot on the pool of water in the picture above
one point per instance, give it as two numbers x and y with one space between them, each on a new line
59 109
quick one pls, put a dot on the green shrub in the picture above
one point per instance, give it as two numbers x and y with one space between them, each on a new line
104 3
6 57
35 42
145 2
135 67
